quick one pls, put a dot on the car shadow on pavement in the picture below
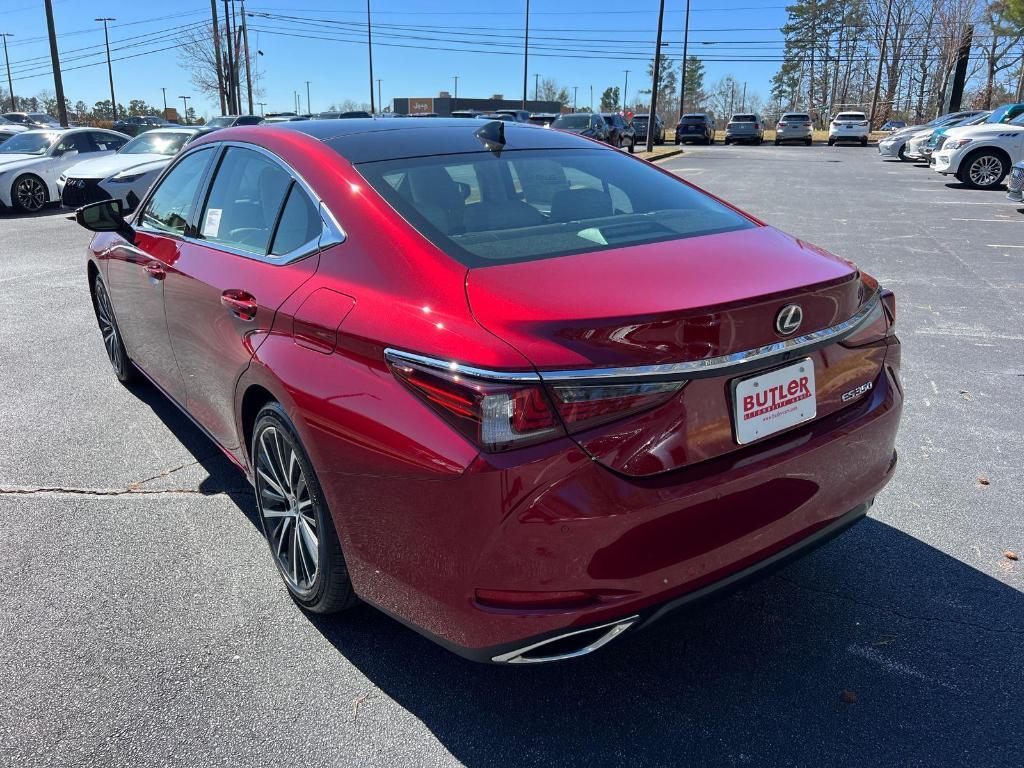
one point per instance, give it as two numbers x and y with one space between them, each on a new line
843 657
47 212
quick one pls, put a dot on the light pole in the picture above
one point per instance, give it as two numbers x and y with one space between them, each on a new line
309 109
164 91
591 98
184 100
380 102
58 80
625 88
369 48
536 87
261 104
455 98
10 83
526 50
682 80
110 70
574 89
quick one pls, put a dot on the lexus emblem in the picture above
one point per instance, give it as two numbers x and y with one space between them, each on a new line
788 320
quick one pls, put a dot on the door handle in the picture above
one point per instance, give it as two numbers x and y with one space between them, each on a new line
241 304
155 270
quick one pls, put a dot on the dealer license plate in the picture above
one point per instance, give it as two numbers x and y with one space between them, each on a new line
773 401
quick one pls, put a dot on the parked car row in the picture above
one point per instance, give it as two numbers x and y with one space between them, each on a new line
749 128
609 127
977 147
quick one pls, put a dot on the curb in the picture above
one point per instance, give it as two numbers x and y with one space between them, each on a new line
665 155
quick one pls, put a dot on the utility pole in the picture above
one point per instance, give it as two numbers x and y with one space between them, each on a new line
237 63
110 71
216 55
625 88
686 42
309 109
591 98
526 51
369 48
574 89
536 87
10 83
651 119
743 102
230 73
261 104
455 98
380 102
164 90
184 100
58 83
881 58
248 61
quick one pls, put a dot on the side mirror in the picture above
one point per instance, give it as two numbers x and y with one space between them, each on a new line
105 216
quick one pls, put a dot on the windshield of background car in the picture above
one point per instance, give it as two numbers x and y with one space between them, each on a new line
484 208
572 121
156 144
39 117
29 143
221 122
1019 120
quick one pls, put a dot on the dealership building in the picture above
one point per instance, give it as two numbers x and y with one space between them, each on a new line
445 104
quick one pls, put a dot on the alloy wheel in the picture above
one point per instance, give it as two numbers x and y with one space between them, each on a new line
30 194
286 505
108 328
986 171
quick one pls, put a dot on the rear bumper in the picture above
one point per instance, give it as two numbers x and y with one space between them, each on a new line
793 135
638 547
849 135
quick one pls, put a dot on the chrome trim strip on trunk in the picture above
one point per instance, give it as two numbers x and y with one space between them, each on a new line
614 628
663 371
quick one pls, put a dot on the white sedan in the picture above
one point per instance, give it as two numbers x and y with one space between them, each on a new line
31 162
127 175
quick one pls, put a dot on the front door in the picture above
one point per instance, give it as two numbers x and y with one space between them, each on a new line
136 273
225 288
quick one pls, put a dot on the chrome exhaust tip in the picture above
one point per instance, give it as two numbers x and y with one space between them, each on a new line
569 645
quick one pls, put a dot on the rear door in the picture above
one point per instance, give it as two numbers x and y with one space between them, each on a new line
256 240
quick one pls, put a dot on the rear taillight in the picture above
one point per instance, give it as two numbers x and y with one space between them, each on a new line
863 123
585 406
496 416
782 125
499 416
757 127
880 322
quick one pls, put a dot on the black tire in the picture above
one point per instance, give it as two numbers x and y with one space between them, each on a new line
677 142
274 439
863 142
29 193
970 171
831 142
808 142
902 154
777 142
111 333
727 142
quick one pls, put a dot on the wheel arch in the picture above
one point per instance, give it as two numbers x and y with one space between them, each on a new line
253 399
29 173
995 149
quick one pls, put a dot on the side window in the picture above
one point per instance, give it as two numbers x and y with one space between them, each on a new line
169 208
244 201
300 223
78 142
107 141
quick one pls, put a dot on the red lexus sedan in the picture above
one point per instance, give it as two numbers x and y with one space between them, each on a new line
515 388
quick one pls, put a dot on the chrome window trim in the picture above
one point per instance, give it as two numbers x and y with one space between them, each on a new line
331 234
665 371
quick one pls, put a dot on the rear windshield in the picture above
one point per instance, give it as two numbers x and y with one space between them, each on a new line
485 208
796 117
744 118
851 116
572 121
694 117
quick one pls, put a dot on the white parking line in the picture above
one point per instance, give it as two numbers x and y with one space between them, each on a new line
962 202
1000 221
1005 246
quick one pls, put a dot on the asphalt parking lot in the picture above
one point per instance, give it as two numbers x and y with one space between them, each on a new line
143 622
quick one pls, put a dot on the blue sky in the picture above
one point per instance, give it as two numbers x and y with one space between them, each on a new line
608 37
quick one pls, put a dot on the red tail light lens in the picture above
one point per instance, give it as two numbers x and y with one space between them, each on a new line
585 406
881 322
495 416
782 125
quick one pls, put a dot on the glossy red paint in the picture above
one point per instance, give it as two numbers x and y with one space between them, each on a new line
427 521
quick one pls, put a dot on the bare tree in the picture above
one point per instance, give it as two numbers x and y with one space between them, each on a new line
196 54
1003 48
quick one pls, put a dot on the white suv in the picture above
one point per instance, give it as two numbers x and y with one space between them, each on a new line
849 126
981 156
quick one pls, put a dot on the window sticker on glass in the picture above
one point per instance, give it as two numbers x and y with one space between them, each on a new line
211 225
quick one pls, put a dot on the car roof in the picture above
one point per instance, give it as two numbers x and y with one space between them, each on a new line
368 139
